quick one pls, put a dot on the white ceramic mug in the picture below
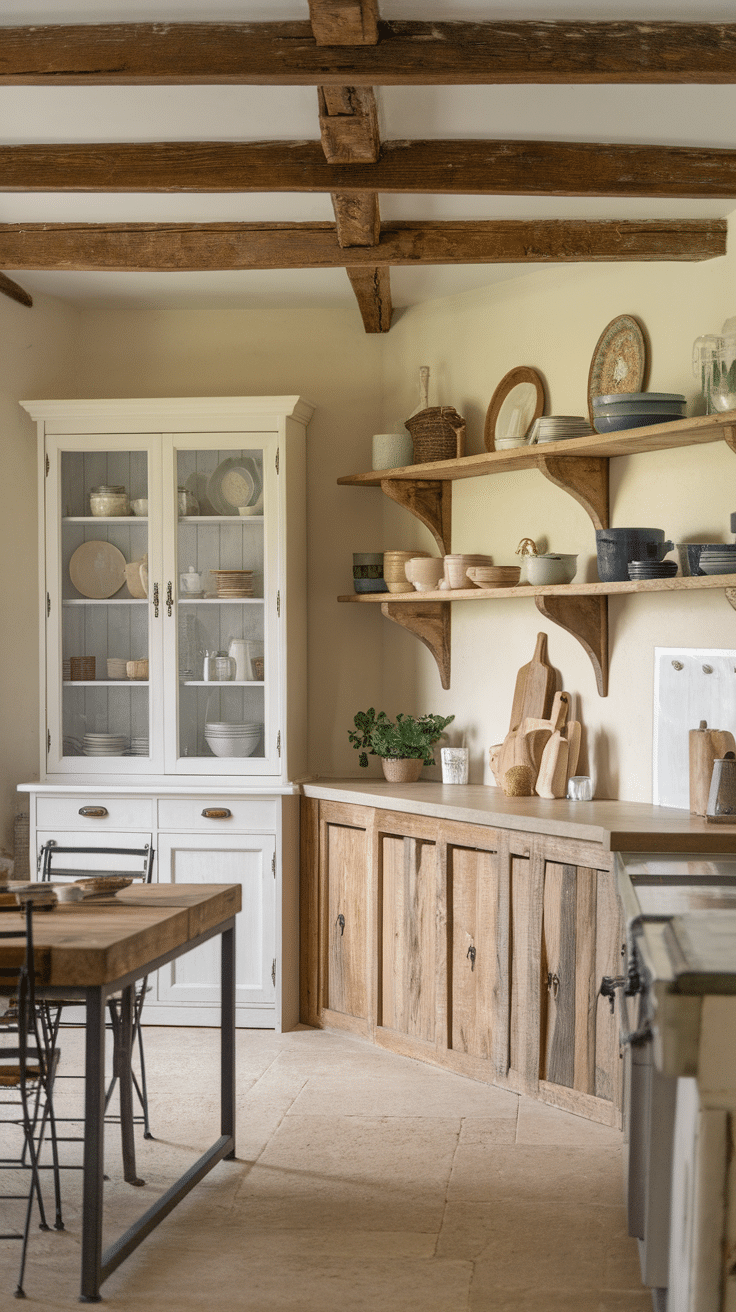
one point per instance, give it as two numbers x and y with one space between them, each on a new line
454 765
425 572
456 571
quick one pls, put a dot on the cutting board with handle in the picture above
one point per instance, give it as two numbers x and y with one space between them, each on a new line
573 731
552 777
535 685
705 746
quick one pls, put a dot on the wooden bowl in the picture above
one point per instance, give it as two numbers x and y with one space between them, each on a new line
494 576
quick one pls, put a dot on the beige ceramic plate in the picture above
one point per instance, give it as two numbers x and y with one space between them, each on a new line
97 569
516 403
619 360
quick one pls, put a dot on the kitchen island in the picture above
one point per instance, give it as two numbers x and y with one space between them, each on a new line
458 926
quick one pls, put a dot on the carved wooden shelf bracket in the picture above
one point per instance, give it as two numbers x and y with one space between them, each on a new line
585 478
430 622
731 597
729 437
586 618
430 502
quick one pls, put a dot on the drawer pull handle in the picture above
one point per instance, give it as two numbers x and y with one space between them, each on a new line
217 813
94 812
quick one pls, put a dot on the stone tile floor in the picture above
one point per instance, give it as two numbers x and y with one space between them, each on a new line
363 1182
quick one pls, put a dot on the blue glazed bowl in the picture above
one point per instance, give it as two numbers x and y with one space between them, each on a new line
617 423
370 585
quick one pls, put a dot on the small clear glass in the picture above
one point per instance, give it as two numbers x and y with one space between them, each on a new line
580 788
454 765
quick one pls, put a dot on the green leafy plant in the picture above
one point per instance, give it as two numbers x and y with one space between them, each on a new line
406 736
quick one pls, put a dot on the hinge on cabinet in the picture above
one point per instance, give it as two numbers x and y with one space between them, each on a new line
278 604
273 865
48 605
273 972
278 742
48 465
277 460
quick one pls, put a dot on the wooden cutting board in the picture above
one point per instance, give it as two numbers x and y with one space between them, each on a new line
534 687
705 746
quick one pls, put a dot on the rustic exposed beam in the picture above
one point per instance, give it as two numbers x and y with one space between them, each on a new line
344 22
160 246
348 123
372 289
517 168
358 219
407 53
16 293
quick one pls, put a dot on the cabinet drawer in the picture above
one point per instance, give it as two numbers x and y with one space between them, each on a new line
246 813
119 813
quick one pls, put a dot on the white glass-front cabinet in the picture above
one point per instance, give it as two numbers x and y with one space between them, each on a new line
173 624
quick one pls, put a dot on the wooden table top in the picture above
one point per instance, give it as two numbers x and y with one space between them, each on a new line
100 940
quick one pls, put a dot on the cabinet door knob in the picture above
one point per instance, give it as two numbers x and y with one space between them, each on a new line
216 813
94 812
341 922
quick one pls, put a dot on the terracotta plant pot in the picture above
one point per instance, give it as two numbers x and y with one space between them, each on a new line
402 769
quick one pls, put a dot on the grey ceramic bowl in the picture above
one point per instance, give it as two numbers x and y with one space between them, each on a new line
689 553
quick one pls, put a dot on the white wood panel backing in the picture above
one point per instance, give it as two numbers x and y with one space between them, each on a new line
685 692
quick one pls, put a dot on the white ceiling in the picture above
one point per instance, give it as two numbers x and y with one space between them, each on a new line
674 115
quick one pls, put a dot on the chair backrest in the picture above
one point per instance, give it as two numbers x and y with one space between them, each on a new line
18 980
57 861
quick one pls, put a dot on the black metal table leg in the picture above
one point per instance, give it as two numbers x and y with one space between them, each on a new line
94 1139
123 1070
227 1038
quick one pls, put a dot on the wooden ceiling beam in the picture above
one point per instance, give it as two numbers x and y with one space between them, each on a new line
500 168
407 53
207 246
348 124
372 287
344 22
16 293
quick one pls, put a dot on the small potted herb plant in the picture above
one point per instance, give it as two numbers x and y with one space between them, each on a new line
404 744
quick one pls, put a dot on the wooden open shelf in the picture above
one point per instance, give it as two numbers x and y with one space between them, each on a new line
578 465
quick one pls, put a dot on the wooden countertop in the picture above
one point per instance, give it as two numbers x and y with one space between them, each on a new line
617 826
98 941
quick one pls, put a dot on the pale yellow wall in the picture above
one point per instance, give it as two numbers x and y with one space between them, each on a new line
35 360
552 322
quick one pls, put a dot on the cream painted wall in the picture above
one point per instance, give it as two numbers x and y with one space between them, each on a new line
37 348
552 321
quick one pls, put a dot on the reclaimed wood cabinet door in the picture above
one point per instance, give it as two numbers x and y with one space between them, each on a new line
477 948
408 973
579 1062
345 891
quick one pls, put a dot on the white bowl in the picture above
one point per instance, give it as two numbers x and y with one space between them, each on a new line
232 746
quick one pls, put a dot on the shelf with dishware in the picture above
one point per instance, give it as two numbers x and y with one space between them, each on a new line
580 466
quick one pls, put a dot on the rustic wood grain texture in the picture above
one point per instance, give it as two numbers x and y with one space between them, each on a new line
609 960
309 935
472 950
344 887
430 622
586 979
585 478
501 168
151 246
598 1110
429 502
372 287
586 618
409 936
357 219
408 53
558 975
344 22
525 946
552 777
704 747
93 943
348 122
16 293
534 688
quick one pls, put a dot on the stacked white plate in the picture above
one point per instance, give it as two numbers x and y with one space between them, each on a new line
554 428
233 739
720 558
104 744
139 747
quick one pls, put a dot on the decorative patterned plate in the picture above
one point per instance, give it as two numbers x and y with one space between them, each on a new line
97 569
619 360
516 403
235 482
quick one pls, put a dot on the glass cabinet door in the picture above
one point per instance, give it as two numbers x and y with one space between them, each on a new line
224 555
99 649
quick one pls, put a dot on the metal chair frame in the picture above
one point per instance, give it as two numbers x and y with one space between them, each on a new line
25 1023
47 874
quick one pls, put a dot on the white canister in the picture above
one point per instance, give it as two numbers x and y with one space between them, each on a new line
392 450
239 652
190 582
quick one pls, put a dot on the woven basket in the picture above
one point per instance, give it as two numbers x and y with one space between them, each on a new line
82 668
438 433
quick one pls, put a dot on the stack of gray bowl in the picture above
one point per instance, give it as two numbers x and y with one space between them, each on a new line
620 410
